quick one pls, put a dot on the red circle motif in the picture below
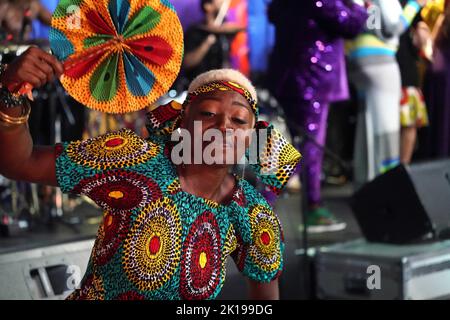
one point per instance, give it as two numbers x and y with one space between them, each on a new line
115 142
155 245
265 238
120 190
201 268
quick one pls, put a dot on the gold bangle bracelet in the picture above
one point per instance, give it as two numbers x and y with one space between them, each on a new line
23 118
7 126
24 113
12 120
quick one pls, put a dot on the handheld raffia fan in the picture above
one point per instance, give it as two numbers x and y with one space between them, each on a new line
119 55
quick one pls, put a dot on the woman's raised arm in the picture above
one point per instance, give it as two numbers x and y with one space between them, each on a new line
19 159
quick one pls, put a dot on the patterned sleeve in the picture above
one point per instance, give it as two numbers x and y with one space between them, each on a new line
82 166
273 159
260 244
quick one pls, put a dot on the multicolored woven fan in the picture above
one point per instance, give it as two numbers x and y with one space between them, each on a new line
119 55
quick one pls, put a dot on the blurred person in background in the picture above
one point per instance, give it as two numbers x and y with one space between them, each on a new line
376 75
307 73
16 18
435 141
207 44
413 111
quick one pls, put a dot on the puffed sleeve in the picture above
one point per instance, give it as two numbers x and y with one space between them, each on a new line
277 160
81 166
260 242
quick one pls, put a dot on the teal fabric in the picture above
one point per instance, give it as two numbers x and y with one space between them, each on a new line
157 241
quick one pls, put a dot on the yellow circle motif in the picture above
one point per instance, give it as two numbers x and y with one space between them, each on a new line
116 194
202 260
146 269
279 157
266 232
93 152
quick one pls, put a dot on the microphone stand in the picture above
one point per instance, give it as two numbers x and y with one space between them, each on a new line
302 133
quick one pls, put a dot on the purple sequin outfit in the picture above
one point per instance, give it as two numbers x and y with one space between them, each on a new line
307 69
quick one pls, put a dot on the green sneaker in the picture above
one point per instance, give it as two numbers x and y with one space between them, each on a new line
321 220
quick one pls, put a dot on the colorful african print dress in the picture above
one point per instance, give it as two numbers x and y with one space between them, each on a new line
157 241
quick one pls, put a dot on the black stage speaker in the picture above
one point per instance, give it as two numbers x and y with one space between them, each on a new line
405 205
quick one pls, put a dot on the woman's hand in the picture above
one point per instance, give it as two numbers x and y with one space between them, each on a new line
35 67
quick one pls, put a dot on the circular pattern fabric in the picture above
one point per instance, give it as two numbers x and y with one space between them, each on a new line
265 228
113 150
201 267
91 289
278 157
239 255
110 236
174 187
230 242
119 55
229 247
119 191
152 248
130 295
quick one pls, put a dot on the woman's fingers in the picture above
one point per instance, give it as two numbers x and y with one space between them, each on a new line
46 69
34 66
38 78
47 64
56 65
34 80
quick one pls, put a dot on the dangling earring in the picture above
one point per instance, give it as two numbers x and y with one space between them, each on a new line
242 177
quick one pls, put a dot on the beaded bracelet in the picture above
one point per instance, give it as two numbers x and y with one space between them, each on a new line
3 67
7 98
